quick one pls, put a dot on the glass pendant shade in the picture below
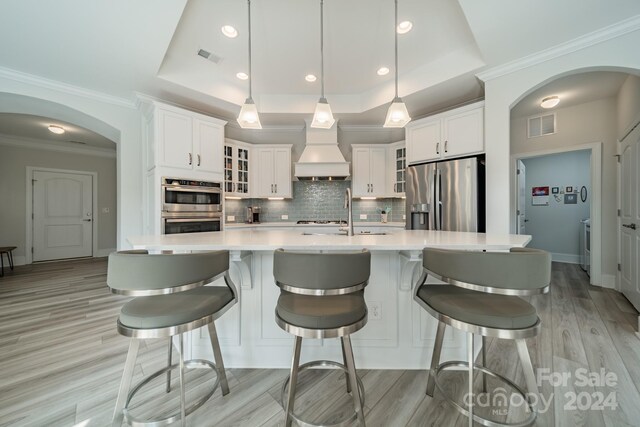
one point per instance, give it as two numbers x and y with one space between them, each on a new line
323 117
397 115
248 117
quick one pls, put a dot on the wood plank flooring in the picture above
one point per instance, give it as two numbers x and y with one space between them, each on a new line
61 360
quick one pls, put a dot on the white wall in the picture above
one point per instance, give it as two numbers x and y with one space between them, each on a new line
556 228
13 165
628 105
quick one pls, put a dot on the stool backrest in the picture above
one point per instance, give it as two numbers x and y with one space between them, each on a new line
321 273
138 273
522 271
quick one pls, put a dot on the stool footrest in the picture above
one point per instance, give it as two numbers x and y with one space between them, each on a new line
194 363
323 364
480 420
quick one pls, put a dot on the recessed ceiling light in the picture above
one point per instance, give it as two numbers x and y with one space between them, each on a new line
550 102
310 78
58 130
229 31
383 71
242 76
404 27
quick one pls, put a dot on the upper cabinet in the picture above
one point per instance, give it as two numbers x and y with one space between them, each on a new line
238 158
397 165
454 133
369 170
184 140
272 171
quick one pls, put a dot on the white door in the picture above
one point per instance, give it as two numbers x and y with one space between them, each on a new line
282 172
378 171
464 133
360 184
522 197
265 178
630 222
424 142
62 215
208 142
176 135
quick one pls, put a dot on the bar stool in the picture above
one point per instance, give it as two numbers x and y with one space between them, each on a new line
171 299
322 296
482 298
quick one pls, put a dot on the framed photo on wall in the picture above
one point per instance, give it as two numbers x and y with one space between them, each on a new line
569 189
555 190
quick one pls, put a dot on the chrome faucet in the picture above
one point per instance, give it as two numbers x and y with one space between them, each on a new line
348 202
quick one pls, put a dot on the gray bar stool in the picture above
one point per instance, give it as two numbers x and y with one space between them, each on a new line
171 299
482 298
322 296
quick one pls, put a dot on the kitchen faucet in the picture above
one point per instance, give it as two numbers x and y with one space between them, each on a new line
348 202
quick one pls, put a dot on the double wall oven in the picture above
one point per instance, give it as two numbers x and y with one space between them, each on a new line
191 206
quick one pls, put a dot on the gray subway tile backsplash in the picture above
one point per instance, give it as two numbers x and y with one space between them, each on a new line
317 200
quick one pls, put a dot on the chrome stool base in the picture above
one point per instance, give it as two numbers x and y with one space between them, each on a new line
323 364
195 363
483 421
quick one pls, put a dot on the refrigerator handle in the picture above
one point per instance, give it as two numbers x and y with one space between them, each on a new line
436 205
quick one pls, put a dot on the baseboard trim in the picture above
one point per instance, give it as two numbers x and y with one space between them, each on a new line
104 252
565 258
17 260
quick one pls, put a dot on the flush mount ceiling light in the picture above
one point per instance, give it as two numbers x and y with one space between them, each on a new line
550 102
404 27
242 76
322 117
382 71
310 78
58 130
397 115
229 31
248 117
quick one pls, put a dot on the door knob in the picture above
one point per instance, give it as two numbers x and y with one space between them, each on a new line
631 226
87 220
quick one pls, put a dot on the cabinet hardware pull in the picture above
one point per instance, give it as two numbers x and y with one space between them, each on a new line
437 148
395 187
445 146
276 186
198 159
190 159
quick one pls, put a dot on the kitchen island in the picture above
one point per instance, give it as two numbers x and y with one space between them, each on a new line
399 334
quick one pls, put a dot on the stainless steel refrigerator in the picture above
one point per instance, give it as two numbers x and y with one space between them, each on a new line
447 195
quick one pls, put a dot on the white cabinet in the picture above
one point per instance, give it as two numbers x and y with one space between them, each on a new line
237 168
369 170
397 164
185 140
454 133
273 171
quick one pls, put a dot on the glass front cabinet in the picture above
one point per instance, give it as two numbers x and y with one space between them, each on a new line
237 156
398 163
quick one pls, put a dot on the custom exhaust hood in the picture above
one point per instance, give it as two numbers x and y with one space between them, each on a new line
321 158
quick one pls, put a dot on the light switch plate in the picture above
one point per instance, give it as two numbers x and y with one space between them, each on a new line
231 218
363 216
404 216
284 216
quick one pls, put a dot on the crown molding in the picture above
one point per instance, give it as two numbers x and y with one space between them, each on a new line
43 82
607 33
40 144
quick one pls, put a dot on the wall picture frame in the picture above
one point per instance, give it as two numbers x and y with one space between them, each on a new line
568 189
555 190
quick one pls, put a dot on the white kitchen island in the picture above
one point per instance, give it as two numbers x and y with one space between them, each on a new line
399 334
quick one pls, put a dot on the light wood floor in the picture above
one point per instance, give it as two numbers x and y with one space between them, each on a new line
61 360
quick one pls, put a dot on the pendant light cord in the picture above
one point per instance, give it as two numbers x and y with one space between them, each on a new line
395 32
322 47
249 14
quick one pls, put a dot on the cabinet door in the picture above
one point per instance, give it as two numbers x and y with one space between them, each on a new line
241 177
398 164
378 171
228 169
464 133
265 178
424 142
175 133
360 183
207 146
282 172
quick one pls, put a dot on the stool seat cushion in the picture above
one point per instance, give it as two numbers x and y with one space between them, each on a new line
161 311
321 312
479 308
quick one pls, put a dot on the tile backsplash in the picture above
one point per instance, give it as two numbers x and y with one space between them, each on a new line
317 200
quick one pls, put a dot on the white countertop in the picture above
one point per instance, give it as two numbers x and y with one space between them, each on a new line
233 225
268 240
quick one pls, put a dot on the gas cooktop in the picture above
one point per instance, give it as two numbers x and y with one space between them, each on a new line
322 221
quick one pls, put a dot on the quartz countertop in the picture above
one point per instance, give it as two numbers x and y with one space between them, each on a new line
268 240
230 225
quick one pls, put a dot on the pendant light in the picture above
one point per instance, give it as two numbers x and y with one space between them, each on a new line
248 117
397 115
323 117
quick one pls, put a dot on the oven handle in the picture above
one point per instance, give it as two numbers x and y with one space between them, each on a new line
174 220
191 189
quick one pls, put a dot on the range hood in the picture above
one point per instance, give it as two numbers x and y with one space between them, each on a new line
321 158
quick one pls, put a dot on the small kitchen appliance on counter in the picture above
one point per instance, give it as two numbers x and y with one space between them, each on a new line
253 214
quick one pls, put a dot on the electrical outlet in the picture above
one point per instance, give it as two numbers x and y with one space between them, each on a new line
375 310
284 216
404 216
231 218
363 216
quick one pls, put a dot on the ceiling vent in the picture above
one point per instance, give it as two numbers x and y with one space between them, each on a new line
209 56
77 142
541 125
